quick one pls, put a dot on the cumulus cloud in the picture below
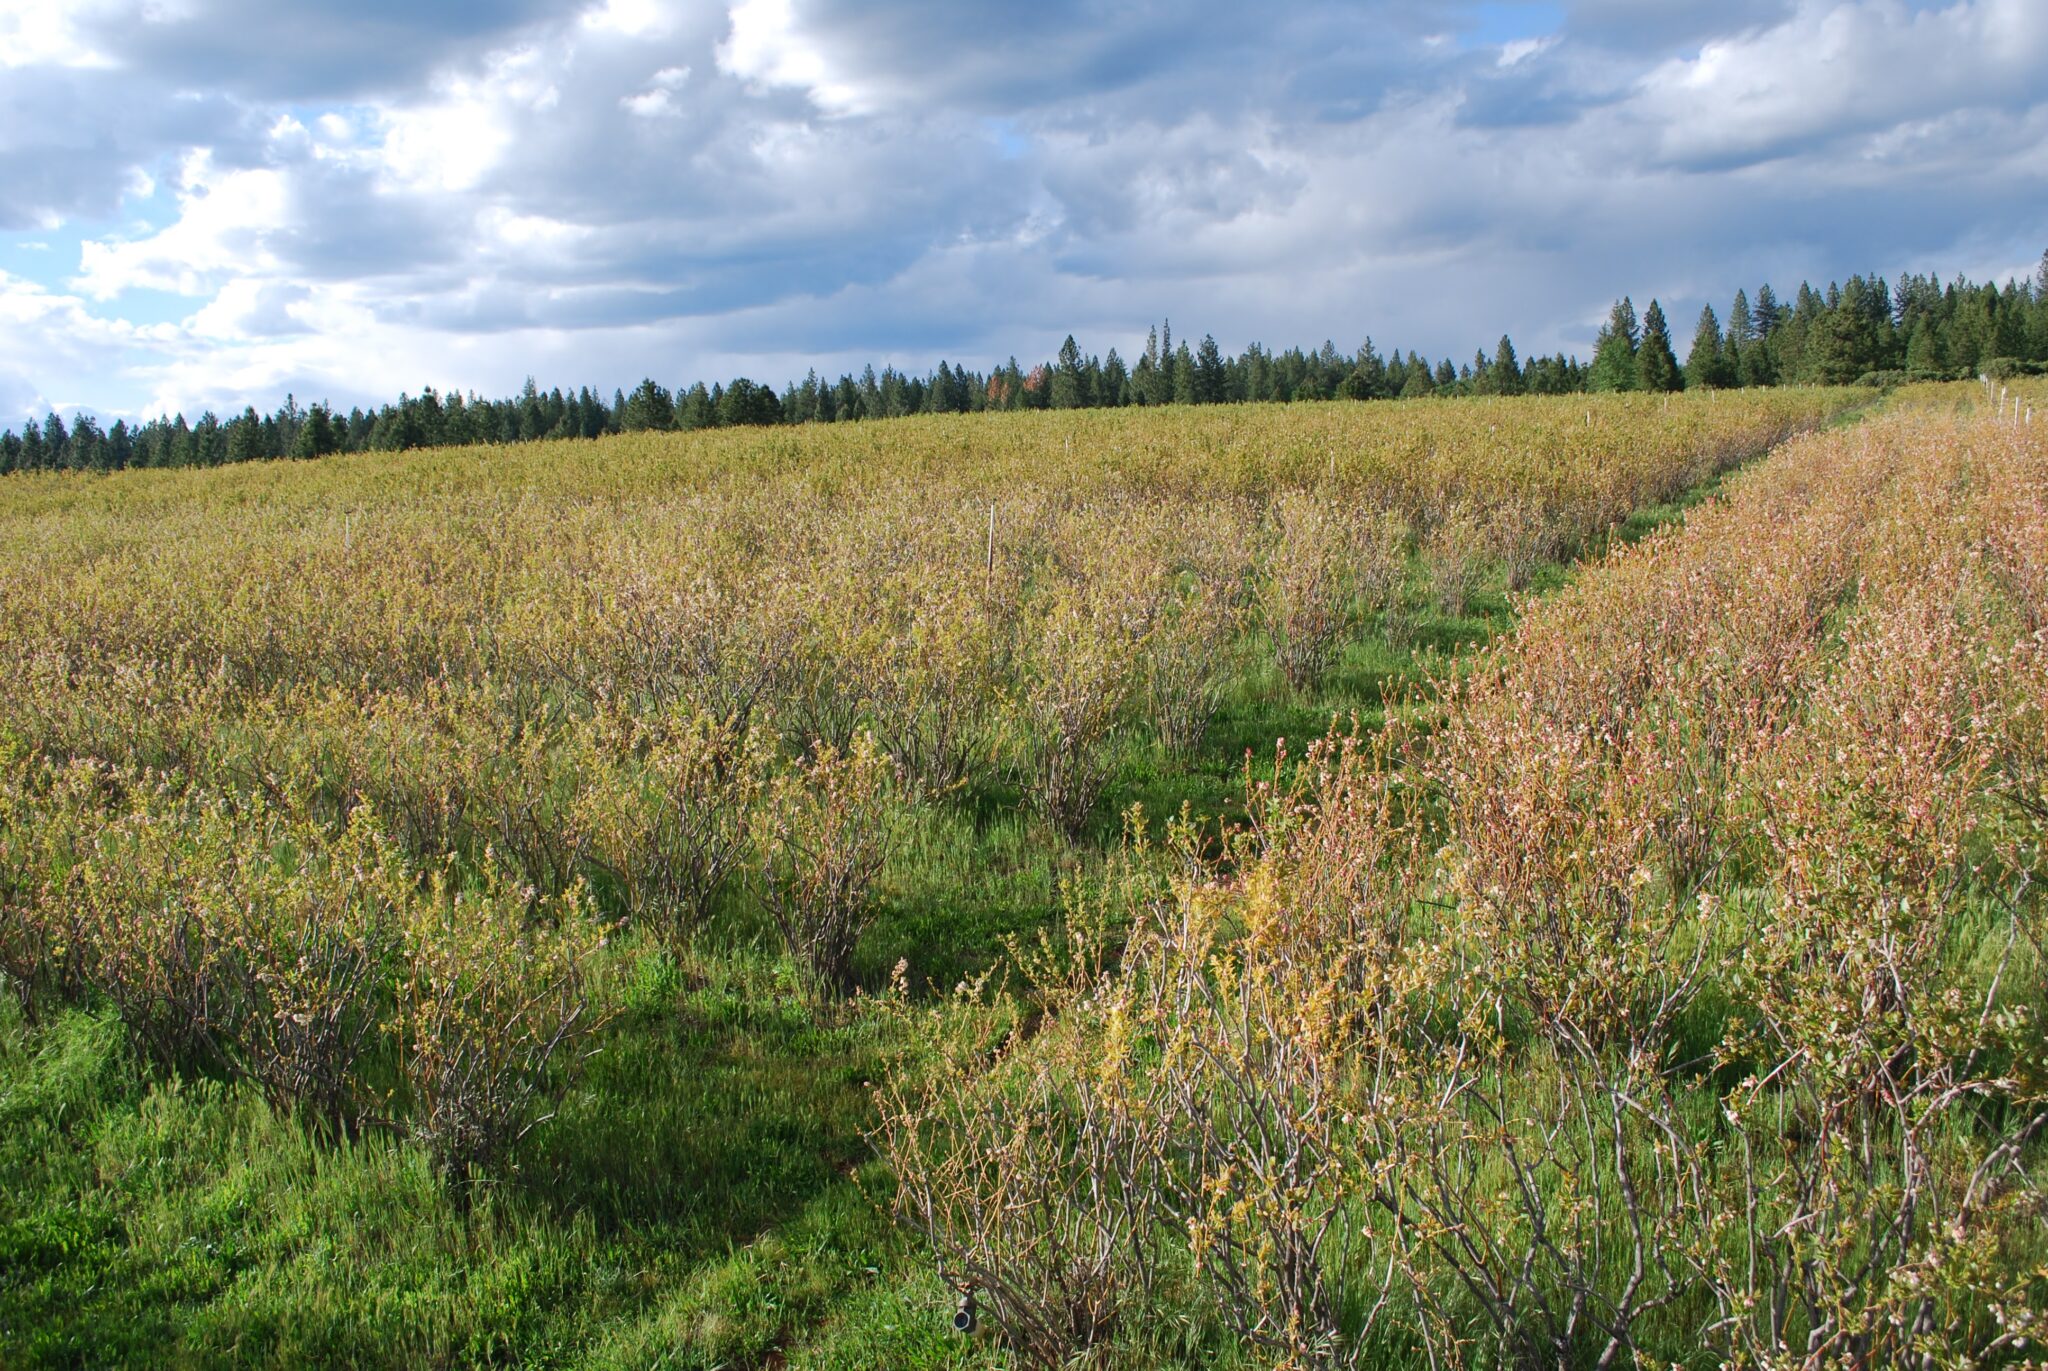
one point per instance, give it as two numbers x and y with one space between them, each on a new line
350 199
1842 71
218 238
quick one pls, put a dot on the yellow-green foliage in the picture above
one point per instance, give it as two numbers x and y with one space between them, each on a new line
333 772
1677 992
310 958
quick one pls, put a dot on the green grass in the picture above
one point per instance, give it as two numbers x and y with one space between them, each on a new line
703 1199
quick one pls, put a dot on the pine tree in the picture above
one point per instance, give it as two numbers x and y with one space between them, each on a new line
1656 364
1069 378
1740 340
1162 388
120 446
1506 370
1116 381
1924 352
1183 376
748 402
1614 354
698 409
649 407
1478 374
1707 366
316 436
1368 379
1741 325
1210 374
1830 353
245 437
1258 373
1768 315
1420 382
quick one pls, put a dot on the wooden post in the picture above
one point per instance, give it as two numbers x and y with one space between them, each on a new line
988 579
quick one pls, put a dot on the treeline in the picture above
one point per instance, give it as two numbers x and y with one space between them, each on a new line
1863 330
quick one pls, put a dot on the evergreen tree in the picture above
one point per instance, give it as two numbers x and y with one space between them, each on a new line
245 437
208 442
1116 381
1768 314
316 436
1368 379
1162 388
1843 338
1925 354
88 445
2008 321
1707 366
1656 364
747 402
1740 340
1741 326
1794 334
120 445
1614 353
1478 375
1162 371
698 409
1209 373
1152 378
1506 371
1420 382
1258 373
1830 352
1070 378
1183 376
1143 377
649 407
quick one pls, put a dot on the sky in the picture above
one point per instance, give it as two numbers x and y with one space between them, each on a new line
211 203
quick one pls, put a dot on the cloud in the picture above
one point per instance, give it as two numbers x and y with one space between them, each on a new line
220 236
46 33
768 48
305 51
354 199
1843 71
